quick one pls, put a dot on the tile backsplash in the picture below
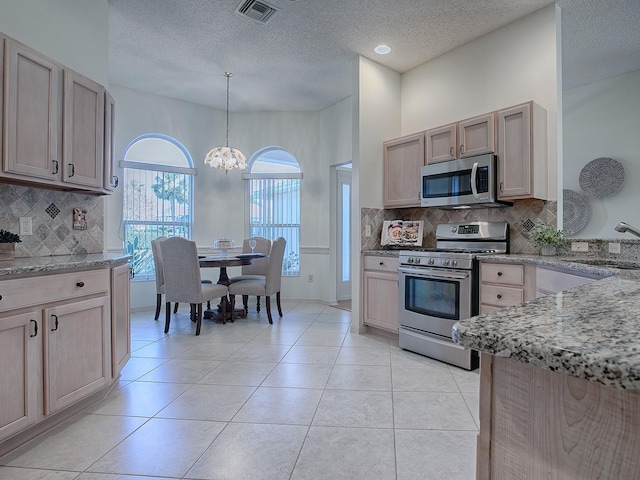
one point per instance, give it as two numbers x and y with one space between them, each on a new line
521 217
51 215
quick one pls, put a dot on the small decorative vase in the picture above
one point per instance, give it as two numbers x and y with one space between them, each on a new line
7 252
548 250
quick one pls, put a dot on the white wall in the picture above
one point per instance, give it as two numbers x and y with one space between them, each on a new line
512 65
72 32
602 119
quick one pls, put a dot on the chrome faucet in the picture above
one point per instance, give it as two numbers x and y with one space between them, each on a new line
625 227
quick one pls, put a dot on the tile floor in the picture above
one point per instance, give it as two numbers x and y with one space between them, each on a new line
300 399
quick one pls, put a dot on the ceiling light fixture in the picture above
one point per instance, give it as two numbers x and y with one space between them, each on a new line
226 158
382 49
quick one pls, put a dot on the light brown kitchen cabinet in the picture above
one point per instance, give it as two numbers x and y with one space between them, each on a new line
505 284
110 177
403 158
53 133
32 115
20 375
522 152
78 351
380 281
474 136
120 318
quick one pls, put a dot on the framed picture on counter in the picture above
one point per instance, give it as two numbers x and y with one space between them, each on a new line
402 232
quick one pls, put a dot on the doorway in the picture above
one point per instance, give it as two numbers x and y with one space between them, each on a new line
343 234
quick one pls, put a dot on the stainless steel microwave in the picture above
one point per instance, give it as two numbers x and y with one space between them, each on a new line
465 183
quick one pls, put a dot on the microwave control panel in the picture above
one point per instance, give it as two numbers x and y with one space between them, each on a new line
482 180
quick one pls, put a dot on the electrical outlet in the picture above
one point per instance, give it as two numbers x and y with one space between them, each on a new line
310 278
614 247
26 227
367 230
579 246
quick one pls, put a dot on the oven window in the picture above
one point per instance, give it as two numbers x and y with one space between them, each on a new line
433 297
442 185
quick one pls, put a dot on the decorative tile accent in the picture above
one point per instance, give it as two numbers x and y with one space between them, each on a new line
521 217
51 213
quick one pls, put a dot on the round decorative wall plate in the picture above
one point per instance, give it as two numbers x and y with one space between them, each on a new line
602 177
576 211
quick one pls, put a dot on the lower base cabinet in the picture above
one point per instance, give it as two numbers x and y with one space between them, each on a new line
380 287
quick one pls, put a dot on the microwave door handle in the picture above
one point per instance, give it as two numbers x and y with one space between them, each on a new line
474 172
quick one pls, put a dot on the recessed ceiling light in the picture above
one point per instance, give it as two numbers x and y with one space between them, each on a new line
382 49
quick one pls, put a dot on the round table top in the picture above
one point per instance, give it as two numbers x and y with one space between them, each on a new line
235 261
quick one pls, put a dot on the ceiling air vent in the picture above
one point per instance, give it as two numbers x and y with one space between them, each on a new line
256 10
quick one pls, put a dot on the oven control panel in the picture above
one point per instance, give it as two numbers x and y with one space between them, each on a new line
436 262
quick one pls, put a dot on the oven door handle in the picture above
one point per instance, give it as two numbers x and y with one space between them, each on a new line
433 274
474 174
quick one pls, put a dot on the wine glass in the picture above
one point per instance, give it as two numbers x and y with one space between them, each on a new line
252 244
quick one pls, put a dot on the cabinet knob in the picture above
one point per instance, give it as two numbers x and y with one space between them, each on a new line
115 181
499 296
0 297
381 263
80 284
499 274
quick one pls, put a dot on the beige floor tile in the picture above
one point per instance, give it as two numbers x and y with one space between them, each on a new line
330 453
74 445
312 354
363 356
360 377
136 367
298 375
260 353
467 381
325 327
11 473
251 451
239 373
473 402
351 408
211 351
181 371
423 378
140 399
161 447
286 406
276 337
321 339
365 340
208 402
429 411
435 455
109 476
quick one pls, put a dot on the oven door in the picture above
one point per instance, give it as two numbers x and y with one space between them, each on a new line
431 300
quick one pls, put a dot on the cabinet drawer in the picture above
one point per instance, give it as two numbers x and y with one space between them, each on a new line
383 264
501 296
507 274
26 292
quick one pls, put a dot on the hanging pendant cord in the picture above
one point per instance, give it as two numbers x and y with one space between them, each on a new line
228 75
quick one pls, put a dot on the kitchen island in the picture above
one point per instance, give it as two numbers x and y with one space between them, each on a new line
560 380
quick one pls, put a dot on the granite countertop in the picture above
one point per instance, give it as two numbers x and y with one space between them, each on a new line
36 265
589 332
381 252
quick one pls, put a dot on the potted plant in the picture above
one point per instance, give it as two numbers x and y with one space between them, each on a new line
8 242
546 237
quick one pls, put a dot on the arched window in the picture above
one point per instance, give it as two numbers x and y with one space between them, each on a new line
273 190
158 196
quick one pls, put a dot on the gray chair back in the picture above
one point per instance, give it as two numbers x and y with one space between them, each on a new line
259 265
181 270
157 263
274 269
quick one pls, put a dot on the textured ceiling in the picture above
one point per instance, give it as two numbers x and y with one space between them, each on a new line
300 60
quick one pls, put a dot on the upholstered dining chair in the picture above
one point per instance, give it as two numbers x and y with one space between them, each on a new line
267 287
182 281
258 268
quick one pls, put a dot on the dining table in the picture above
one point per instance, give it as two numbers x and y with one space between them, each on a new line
223 262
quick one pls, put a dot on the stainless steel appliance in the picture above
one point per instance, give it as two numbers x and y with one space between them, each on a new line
465 183
439 286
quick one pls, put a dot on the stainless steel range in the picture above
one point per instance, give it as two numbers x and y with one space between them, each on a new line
438 287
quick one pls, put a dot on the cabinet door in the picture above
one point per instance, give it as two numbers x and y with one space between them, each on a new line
78 351
514 133
381 300
477 136
83 132
442 144
120 319
31 113
403 158
20 340
110 180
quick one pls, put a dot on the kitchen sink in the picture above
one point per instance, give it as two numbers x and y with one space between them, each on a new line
599 262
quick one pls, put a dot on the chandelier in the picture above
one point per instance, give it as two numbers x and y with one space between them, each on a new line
226 158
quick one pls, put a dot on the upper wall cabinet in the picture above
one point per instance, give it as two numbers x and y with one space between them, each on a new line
522 152
53 129
403 158
474 136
